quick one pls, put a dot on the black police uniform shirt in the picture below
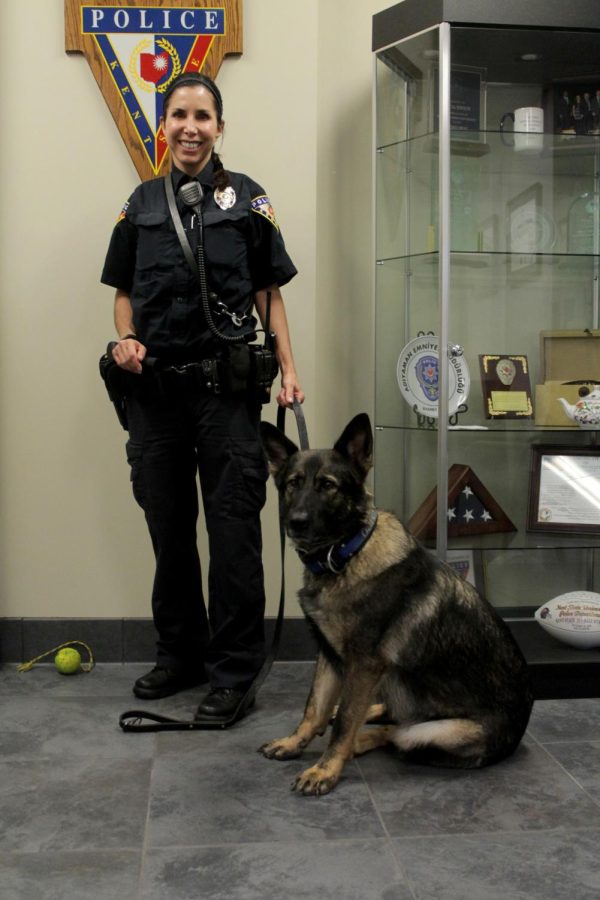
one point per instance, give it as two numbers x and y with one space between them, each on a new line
243 249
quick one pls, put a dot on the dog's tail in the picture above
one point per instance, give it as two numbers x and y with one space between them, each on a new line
458 743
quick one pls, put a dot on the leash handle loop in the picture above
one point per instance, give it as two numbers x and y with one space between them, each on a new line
300 423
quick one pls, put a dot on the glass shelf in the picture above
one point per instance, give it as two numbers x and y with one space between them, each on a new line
517 426
481 143
496 258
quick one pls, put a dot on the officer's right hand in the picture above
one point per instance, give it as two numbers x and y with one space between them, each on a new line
129 355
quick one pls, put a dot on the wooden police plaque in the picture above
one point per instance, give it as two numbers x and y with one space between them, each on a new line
136 49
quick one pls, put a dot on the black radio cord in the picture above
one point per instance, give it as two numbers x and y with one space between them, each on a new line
204 295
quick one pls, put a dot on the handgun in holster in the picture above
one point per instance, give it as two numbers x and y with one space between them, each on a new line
116 383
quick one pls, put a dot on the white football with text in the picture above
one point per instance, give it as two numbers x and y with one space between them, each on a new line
573 618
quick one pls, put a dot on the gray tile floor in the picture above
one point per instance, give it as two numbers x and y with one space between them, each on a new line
89 812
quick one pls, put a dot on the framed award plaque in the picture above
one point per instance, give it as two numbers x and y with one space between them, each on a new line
506 386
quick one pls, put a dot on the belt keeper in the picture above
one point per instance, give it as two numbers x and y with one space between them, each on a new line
210 371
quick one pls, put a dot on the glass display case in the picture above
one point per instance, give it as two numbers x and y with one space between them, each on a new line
487 254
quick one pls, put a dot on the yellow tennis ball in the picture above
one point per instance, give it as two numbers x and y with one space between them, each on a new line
67 661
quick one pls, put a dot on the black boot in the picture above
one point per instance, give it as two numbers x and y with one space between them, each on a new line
221 703
162 682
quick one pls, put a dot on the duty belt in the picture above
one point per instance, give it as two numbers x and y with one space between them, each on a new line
244 368
206 373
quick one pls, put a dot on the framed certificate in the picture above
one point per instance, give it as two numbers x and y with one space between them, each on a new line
564 489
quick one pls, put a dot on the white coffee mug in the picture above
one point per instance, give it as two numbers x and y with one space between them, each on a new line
528 128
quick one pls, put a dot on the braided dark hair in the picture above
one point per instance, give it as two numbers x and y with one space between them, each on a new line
221 175
189 79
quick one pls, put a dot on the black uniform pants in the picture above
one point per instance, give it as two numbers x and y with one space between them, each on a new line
173 435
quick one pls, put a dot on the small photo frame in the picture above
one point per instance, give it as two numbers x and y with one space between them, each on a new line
506 386
564 489
577 108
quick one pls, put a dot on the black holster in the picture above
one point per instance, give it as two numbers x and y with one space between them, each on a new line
118 385
264 368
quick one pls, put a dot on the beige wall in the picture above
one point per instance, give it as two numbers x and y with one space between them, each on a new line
298 112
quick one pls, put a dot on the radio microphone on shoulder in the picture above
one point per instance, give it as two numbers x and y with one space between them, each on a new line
191 194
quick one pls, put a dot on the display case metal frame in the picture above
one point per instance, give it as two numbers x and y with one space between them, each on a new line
559 671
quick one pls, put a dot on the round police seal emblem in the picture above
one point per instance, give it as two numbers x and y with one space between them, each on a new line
418 372
225 198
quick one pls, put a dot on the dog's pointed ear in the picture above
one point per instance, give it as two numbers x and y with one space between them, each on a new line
277 447
356 443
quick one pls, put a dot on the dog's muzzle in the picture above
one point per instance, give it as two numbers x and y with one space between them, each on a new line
297 525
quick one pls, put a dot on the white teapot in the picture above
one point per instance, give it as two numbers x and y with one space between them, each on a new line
586 412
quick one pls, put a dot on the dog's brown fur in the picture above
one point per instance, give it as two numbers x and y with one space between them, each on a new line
395 624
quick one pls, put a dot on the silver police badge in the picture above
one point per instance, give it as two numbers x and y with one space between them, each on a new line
225 198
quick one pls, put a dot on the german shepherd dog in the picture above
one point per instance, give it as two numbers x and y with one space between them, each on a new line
393 624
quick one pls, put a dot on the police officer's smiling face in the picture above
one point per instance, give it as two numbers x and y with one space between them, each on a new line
191 127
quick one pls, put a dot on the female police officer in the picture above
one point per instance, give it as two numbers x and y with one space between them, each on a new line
190 415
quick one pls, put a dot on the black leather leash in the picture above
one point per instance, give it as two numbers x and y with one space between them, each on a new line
138 720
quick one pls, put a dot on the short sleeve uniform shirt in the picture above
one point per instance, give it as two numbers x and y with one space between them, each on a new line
243 249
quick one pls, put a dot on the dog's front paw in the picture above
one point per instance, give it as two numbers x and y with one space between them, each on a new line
283 748
316 781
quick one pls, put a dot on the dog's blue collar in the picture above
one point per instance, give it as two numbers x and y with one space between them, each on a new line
338 555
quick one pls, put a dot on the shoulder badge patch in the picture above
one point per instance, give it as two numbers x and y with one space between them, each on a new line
123 212
262 206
